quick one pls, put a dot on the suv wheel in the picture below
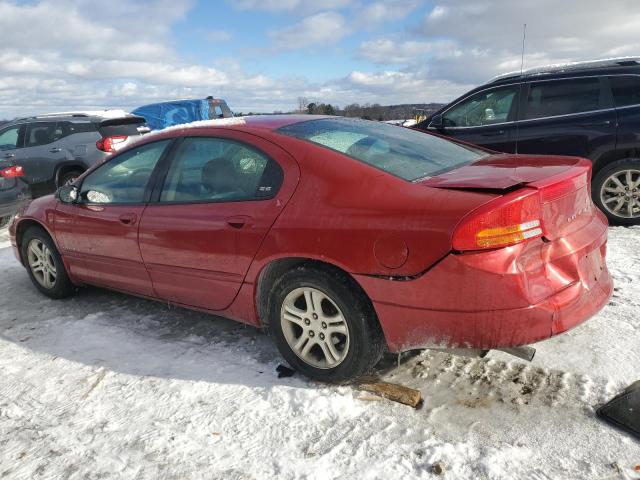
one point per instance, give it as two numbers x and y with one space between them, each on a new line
616 191
68 178
44 264
323 325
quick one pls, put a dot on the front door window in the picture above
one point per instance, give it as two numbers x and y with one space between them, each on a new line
124 179
484 108
9 138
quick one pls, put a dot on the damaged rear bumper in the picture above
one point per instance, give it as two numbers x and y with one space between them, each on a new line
503 298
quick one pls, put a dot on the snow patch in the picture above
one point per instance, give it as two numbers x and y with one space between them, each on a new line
104 385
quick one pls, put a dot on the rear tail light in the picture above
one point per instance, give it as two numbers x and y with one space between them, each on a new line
12 172
508 220
107 144
569 183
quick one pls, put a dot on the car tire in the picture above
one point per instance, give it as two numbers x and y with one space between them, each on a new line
68 177
614 189
337 339
44 264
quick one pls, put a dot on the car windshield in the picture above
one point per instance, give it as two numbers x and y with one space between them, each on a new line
405 153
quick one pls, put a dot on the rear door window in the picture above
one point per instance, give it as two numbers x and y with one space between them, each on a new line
64 129
40 133
564 97
626 90
483 108
219 170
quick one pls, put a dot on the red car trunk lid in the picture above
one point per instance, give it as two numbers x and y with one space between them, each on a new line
563 184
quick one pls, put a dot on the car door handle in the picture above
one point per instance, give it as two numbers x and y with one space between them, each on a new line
55 150
10 155
238 221
128 219
492 133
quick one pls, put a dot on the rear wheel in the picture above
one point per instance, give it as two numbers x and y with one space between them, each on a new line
616 190
323 324
68 178
44 264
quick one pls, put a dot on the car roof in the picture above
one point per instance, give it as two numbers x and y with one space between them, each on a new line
252 122
607 66
97 116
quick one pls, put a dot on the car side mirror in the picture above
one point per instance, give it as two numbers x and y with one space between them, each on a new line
68 194
437 122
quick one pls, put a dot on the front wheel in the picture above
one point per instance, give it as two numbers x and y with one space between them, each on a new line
616 191
323 324
44 264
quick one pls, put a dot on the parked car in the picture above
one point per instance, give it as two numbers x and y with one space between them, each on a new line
343 236
55 149
14 192
177 112
587 109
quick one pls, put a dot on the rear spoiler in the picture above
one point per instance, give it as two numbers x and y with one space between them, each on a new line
122 121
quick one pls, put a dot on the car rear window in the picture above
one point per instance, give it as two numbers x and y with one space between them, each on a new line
408 154
129 127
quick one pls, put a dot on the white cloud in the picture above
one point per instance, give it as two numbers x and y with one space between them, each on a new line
489 34
289 5
386 11
325 28
386 51
72 54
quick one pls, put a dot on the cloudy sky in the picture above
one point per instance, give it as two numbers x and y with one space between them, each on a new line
261 55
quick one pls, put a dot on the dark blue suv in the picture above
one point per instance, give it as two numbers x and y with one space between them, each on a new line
586 109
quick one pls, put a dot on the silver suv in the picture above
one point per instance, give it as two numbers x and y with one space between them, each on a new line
53 150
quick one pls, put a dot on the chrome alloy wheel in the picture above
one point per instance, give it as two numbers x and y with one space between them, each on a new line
41 263
620 194
314 328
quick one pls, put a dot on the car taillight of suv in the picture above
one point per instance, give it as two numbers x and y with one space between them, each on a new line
110 144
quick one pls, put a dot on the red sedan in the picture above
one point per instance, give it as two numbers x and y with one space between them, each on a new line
344 237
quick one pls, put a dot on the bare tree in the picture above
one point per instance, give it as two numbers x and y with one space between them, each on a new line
302 104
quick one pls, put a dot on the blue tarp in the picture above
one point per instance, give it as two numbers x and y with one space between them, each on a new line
167 114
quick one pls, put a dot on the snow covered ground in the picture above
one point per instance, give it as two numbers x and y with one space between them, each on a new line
107 386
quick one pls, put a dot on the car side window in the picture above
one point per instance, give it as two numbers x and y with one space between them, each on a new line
40 133
64 129
626 90
124 178
206 169
563 97
9 138
483 108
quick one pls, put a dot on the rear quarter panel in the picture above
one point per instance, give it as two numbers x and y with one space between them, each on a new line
362 219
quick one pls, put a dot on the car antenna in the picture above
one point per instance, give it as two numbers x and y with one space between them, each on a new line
524 38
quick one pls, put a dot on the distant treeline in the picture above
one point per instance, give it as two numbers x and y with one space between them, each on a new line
367 111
